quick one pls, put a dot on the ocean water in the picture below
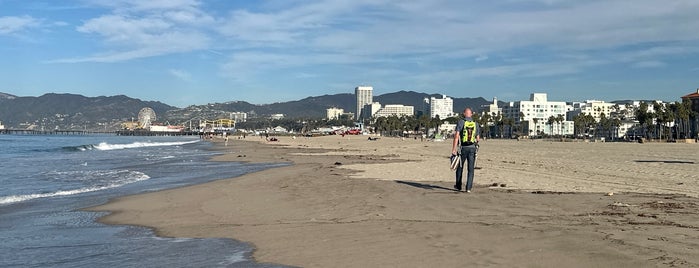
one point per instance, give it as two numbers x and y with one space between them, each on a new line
45 180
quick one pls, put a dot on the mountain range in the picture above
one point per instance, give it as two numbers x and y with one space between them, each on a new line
71 111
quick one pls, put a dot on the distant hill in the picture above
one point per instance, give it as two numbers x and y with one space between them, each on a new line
5 96
312 107
71 111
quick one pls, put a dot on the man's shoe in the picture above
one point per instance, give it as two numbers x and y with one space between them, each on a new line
456 187
468 191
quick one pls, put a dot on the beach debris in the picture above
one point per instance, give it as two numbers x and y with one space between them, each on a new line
495 184
619 204
503 185
609 194
338 163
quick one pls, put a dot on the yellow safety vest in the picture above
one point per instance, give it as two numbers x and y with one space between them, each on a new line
468 133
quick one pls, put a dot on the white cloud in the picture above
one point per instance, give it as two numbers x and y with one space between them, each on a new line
649 64
562 35
14 24
138 29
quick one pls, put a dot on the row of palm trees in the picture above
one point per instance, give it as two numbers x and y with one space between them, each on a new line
396 126
655 124
664 118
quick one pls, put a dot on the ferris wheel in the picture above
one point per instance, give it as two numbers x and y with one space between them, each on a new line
146 117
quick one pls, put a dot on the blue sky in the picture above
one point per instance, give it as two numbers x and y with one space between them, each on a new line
185 52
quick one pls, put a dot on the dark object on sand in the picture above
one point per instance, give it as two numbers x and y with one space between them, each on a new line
338 163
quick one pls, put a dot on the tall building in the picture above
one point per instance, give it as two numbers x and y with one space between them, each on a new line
364 95
443 107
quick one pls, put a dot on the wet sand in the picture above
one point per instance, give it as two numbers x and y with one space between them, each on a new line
350 202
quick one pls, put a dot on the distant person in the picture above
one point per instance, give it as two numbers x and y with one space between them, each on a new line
465 143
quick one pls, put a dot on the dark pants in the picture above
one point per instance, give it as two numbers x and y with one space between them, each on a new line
468 154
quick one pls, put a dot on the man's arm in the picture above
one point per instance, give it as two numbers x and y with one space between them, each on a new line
455 143
457 134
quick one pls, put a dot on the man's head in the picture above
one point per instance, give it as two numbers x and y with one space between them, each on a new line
468 112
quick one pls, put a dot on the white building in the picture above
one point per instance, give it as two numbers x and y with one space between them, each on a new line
371 109
279 129
2 126
364 95
443 107
492 108
276 116
592 107
395 109
239 117
535 114
333 113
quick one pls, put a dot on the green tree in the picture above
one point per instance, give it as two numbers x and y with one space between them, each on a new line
550 121
560 119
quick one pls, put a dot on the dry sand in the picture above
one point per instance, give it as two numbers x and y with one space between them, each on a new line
350 202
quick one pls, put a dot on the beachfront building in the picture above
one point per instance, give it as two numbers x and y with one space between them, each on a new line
533 115
371 109
592 107
1 125
694 99
492 108
443 107
364 96
276 116
333 113
239 116
395 109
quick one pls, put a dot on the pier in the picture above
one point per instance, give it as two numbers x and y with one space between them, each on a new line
52 132
87 132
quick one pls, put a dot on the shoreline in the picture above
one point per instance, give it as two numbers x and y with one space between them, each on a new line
352 202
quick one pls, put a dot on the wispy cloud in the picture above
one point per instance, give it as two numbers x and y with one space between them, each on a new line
649 64
15 24
139 29
475 39
181 74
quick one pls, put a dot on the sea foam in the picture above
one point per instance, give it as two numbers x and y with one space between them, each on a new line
134 176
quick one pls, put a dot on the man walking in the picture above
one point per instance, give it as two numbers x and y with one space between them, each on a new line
465 143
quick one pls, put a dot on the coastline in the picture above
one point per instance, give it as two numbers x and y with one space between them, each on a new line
349 202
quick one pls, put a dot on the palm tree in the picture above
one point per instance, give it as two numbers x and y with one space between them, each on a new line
560 119
660 118
551 120
644 117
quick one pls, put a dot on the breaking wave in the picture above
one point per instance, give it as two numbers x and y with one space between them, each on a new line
133 176
103 146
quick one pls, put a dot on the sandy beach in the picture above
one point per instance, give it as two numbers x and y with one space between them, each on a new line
351 202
